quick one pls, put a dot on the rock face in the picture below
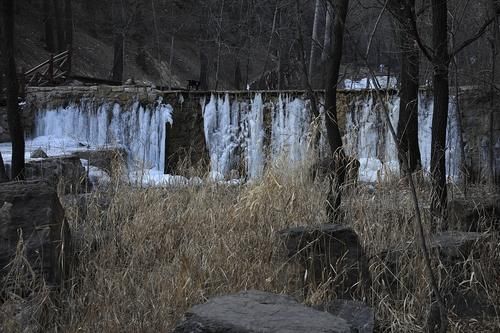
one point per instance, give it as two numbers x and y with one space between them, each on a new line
330 251
257 311
358 315
474 214
39 153
68 169
32 210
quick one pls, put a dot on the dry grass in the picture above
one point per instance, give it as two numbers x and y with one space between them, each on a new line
153 253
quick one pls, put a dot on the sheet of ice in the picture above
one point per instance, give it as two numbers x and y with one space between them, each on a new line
155 178
254 120
368 136
140 130
221 126
290 133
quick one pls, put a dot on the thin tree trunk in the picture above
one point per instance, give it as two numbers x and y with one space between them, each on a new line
268 52
3 174
61 44
219 44
306 78
13 115
237 75
327 40
118 41
408 102
157 35
171 60
332 127
440 113
314 40
495 84
48 26
68 17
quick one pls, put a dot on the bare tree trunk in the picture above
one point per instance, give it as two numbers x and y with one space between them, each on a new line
306 81
495 83
237 75
440 113
314 40
13 115
68 17
3 174
327 40
203 78
157 35
268 52
408 102
332 127
48 26
118 41
61 44
219 45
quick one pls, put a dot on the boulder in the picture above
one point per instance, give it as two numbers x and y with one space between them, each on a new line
453 249
104 159
358 315
329 252
474 214
32 216
38 153
258 311
67 169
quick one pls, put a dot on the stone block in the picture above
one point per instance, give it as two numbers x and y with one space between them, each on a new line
30 212
330 252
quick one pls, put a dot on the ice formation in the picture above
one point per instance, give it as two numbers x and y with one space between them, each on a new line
367 135
237 135
139 129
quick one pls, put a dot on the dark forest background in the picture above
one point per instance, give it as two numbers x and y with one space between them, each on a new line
228 44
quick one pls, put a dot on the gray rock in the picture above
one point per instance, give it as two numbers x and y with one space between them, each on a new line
451 248
456 246
327 251
105 159
38 153
257 311
32 209
65 169
358 315
474 214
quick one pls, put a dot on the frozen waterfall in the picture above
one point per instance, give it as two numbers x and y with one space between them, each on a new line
235 131
243 134
137 128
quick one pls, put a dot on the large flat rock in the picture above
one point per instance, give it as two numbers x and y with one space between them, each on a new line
258 311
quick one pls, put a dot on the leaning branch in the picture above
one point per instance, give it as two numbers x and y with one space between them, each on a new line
471 40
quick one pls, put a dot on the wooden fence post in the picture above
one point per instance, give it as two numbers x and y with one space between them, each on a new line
51 68
68 61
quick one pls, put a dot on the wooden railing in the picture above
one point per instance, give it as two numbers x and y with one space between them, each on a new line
54 70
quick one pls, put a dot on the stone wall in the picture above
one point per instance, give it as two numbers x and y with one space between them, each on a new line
186 141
